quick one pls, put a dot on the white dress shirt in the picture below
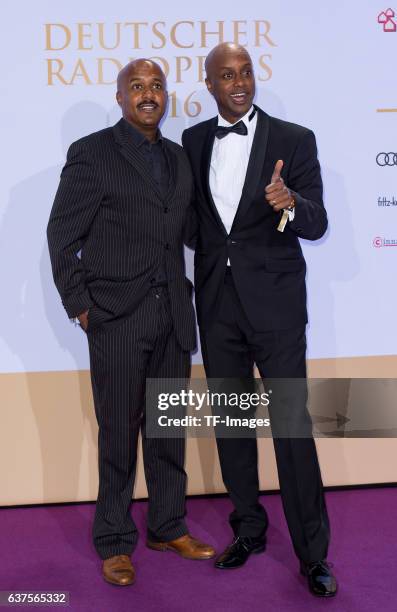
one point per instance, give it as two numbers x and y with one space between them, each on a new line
229 162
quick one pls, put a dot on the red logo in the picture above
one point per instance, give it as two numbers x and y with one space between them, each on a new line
386 18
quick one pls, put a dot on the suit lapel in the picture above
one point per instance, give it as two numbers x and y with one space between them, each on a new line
255 165
132 154
173 170
205 170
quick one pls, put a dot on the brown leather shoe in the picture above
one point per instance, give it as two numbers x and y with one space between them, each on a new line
119 570
186 546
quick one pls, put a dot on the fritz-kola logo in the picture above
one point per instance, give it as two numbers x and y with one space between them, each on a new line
383 201
386 18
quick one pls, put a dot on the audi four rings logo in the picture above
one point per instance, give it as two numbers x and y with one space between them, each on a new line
386 159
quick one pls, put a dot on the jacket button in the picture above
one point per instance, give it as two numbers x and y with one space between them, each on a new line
230 242
166 209
167 246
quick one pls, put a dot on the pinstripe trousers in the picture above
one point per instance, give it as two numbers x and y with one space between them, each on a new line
142 346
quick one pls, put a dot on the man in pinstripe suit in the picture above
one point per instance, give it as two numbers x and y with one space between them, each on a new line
115 237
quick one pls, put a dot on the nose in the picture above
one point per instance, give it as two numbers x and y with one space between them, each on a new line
147 93
238 81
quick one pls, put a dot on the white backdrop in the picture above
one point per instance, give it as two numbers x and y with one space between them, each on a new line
325 65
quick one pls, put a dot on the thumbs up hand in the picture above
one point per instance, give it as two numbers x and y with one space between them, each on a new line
276 176
277 193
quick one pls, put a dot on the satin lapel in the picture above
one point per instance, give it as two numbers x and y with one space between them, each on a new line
134 156
255 165
205 170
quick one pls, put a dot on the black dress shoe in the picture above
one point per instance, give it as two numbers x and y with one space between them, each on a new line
320 578
238 552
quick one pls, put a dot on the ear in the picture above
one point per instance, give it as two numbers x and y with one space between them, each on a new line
209 85
119 98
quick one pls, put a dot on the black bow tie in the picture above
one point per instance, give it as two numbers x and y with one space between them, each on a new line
238 128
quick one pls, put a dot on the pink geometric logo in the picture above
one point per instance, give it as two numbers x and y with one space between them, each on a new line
378 242
386 18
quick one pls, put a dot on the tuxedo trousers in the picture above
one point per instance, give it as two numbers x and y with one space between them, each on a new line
230 348
122 357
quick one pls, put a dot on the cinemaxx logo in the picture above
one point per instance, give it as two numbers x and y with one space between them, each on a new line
386 159
387 19
380 242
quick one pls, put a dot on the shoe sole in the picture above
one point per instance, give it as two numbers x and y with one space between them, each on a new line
163 547
327 596
257 551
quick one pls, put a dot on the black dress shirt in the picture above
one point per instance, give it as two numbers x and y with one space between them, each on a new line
155 156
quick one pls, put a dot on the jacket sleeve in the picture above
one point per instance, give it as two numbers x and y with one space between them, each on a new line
76 203
191 223
305 184
191 227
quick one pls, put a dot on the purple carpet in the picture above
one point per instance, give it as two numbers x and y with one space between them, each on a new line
49 548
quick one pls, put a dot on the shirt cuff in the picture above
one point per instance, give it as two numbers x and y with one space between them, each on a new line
291 214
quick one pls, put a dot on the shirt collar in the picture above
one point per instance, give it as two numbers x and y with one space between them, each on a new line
245 119
138 138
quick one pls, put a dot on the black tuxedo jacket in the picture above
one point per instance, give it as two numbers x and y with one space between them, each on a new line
110 230
268 266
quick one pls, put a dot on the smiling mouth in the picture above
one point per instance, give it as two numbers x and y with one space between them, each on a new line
239 98
148 107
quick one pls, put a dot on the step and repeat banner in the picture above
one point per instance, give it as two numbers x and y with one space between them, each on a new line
325 65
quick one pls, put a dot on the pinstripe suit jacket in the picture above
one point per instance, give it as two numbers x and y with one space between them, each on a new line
110 229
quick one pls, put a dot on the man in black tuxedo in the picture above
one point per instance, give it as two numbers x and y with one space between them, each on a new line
115 237
251 295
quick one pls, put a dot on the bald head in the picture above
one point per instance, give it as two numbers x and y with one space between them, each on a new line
142 95
138 65
220 54
230 79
